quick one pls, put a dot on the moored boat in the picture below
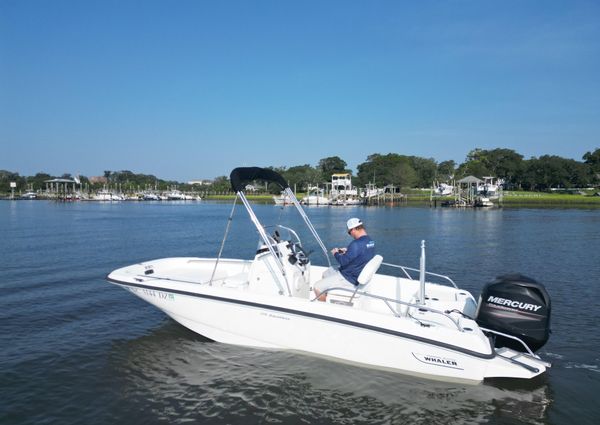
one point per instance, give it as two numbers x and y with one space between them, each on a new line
107 196
316 196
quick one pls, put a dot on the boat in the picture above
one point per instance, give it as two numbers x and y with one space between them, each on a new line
107 196
316 196
483 202
175 195
444 189
348 201
282 199
178 195
409 320
490 187
186 197
372 191
150 196
29 195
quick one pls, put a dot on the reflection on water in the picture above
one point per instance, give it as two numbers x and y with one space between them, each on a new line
172 370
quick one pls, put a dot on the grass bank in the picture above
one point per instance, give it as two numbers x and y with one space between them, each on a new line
550 199
510 198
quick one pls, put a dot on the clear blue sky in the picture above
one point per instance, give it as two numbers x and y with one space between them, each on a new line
192 89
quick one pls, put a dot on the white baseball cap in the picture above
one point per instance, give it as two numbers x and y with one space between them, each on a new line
353 222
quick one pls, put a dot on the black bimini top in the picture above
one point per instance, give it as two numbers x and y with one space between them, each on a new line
241 176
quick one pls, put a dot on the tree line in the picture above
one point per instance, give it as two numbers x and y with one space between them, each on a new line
535 174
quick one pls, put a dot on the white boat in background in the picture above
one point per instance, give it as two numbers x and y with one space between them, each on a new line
107 196
316 196
282 199
178 195
483 202
490 187
372 191
175 195
444 189
150 196
29 195
403 321
186 197
347 201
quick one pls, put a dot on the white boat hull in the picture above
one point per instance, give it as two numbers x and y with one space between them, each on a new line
235 315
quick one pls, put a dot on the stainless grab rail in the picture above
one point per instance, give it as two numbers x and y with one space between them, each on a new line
388 300
404 269
511 337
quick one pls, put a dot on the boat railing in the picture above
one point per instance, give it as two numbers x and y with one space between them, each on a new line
405 270
387 302
511 337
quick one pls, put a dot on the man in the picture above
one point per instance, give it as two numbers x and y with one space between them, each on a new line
352 260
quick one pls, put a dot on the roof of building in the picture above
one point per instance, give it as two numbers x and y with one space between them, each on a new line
59 181
470 179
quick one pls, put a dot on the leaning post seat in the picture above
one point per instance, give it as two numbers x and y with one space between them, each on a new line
365 276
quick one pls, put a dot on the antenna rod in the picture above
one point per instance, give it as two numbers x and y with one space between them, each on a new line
422 275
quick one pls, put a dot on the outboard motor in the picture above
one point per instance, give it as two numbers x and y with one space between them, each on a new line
516 305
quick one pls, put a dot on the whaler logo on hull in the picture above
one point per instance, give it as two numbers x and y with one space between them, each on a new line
437 361
513 304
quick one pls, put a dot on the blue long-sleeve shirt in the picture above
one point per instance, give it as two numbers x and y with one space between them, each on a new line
358 254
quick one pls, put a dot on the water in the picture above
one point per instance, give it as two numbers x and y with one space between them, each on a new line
75 349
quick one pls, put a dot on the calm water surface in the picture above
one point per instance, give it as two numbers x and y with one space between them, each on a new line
75 349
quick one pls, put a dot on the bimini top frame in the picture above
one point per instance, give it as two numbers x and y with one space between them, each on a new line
240 177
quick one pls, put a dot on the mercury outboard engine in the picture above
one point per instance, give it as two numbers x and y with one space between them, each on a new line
515 305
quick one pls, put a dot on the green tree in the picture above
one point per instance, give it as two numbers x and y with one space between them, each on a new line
472 168
302 176
39 180
331 165
551 171
425 170
387 169
593 160
500 162
446 170
6 177
221 184
503 163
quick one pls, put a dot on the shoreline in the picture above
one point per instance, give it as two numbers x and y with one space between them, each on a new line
509 201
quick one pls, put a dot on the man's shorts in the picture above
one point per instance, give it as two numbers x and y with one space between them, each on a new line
332 278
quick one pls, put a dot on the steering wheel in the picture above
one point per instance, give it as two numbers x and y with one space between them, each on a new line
276 236
300 254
